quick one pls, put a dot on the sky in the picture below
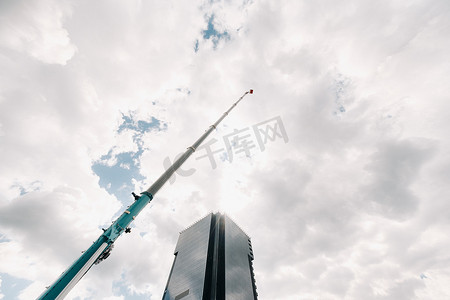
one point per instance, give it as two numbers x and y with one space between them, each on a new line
337 166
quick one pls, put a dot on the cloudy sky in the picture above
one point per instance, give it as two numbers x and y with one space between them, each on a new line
349 201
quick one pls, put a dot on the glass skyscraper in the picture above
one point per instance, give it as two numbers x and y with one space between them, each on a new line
213 261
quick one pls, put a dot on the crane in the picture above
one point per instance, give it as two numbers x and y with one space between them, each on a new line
102 247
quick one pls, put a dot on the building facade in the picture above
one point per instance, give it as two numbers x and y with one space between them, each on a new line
213 261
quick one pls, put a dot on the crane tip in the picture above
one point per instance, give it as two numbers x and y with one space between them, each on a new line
251 91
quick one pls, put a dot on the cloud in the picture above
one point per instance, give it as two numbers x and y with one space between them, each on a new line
352 205
394 169
37 29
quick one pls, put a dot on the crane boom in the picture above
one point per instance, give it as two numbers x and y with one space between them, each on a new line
101 248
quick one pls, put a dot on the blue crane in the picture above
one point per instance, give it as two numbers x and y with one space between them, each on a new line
101 248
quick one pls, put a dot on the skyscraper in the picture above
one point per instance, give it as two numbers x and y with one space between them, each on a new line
213 261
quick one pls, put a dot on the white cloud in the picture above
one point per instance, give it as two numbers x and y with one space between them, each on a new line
1 295
353 206
37 29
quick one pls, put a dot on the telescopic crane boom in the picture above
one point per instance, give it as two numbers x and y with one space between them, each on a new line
101 248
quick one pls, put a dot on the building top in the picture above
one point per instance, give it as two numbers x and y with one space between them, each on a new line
212 213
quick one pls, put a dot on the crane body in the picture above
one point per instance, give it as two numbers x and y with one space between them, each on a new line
102 247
